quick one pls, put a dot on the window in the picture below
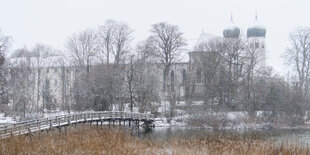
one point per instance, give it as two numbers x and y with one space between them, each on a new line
198 74
183 76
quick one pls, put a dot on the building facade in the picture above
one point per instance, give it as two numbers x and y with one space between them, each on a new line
49 80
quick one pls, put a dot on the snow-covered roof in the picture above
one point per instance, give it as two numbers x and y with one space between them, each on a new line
206 37
193 44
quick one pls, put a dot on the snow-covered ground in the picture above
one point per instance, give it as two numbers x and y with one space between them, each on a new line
6 120
175 122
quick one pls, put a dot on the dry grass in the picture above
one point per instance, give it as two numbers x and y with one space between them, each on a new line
92 140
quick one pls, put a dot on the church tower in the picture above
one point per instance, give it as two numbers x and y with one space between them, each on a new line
232 31
256 36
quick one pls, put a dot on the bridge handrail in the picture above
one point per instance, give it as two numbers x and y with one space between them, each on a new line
58 120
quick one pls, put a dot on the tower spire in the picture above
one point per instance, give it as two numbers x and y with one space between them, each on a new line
231 17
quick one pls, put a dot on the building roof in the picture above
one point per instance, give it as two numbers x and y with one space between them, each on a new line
231 30
256 30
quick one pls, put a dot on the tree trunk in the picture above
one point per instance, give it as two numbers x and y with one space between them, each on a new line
165 75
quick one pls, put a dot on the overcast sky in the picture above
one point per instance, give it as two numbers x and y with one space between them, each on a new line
52 21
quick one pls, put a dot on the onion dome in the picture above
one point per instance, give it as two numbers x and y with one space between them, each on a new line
257 30
232 30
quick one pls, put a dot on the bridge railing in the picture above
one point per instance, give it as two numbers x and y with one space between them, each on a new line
45 123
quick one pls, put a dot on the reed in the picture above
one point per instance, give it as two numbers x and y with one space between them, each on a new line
92 140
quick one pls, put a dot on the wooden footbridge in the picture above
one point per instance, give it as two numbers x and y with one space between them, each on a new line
99 118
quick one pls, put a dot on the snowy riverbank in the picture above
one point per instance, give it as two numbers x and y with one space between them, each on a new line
6 119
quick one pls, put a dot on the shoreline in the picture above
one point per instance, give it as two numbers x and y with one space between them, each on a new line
241 126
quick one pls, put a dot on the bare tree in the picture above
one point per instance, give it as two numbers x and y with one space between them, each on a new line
39 51
81 47
122 38
105 40
65 79
253 70
146 88
130 73
166 44
234 56
23 79
5 42
298 56
213 65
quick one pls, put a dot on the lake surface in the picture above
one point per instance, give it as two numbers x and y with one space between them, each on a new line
166 133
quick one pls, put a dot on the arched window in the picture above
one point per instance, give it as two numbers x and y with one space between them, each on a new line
183 76
198 74
172 80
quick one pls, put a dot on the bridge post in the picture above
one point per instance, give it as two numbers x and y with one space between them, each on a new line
59 121
69 120
101 122
76 122
51 126
29 132
19 130
39 126
14 127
